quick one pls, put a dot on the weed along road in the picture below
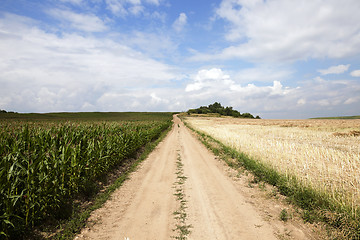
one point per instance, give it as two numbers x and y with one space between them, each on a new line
180 191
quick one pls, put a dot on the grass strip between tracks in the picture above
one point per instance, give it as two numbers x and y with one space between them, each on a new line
182 229
316 206
69 229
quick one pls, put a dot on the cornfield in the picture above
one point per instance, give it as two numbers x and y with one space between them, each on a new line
44 163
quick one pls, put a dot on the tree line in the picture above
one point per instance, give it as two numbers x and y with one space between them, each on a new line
224 111
4 111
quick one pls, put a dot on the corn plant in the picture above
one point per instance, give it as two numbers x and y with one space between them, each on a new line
43 164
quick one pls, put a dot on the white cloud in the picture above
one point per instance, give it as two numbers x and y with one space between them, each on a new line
155 2
155 44
212 78
210 85
123 8
215 81
316 97
83 22
180 22
40 71
134 2
355 73
158 16
262 74
301 102
335 69
141 100
352 100
116 7
74 2
136 10
157 100
282 30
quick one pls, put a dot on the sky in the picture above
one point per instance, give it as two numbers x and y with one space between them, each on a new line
272 58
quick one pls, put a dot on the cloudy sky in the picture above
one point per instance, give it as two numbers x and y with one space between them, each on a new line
273 58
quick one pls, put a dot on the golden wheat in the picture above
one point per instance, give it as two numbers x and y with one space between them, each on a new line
308 149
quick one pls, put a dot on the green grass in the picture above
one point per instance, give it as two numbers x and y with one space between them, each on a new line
284 215
182 229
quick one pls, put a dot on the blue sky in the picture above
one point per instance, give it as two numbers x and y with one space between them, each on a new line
274 58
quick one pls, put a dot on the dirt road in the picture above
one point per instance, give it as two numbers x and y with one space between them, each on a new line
143 208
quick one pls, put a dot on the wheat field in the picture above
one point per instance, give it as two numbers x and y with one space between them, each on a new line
324 154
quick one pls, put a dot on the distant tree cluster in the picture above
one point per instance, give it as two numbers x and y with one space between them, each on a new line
224 111
3 111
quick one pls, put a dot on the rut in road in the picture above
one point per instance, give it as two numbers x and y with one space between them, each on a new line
143 208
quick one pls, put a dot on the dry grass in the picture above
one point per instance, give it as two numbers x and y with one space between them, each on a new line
322 153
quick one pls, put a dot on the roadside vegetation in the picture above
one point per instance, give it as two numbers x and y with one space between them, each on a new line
182 228
308 161
48 165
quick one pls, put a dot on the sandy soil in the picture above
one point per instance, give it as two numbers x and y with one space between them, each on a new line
218 205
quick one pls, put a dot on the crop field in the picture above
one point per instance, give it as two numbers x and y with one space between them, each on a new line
46 159
322 154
